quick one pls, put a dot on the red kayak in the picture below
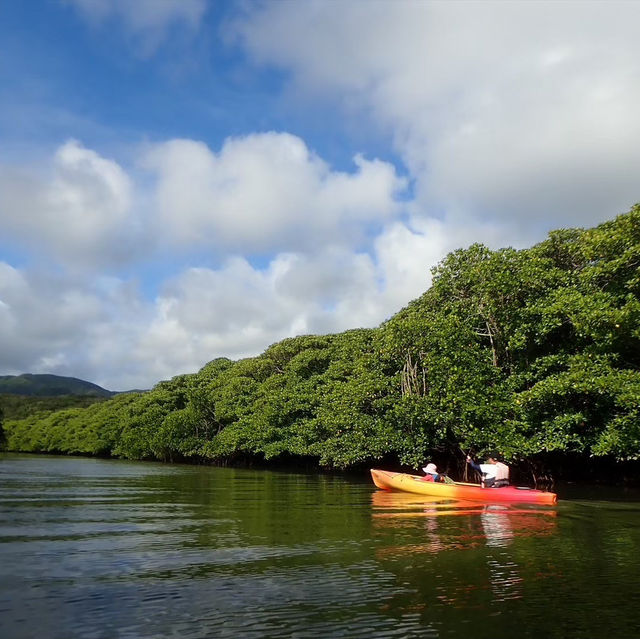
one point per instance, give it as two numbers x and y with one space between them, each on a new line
413 484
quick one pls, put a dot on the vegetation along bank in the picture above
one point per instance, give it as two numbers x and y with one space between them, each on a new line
533 354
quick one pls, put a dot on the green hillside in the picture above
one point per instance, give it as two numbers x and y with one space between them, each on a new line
49 386
22 406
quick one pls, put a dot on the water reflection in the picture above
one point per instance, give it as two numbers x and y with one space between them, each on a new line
478 524
484 534
483 541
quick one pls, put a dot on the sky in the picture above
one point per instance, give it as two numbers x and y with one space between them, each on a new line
182 180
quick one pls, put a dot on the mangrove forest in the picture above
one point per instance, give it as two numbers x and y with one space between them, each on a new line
532 354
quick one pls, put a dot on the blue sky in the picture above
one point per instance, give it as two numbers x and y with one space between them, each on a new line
186 179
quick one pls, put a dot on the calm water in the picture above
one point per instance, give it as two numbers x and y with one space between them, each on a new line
110 549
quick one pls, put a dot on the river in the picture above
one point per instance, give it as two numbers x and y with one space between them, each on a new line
113 549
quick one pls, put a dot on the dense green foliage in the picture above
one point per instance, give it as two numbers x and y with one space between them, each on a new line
528 353
49 386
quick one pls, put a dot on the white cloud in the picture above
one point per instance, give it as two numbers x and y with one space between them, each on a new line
239 310
267 192
41 320
522 112
53 324
80 211
108 333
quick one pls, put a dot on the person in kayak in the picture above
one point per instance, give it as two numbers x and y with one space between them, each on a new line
432 474
494 473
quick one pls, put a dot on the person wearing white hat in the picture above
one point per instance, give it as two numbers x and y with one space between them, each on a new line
431 473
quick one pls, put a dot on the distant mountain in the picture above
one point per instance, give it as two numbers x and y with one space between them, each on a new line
49 386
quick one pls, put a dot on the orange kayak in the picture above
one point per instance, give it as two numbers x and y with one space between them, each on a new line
413 484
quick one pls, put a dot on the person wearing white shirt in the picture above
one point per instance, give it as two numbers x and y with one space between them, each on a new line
495 474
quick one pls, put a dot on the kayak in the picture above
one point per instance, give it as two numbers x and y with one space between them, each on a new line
388 480
403 482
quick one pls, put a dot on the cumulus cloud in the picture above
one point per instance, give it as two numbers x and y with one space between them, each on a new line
40 320
267 192
521 112
87 329
249 195
79 210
